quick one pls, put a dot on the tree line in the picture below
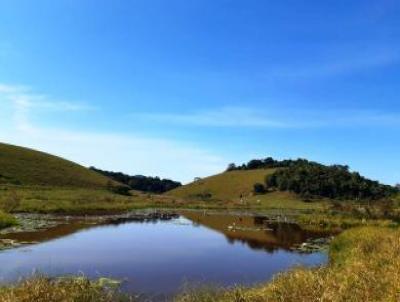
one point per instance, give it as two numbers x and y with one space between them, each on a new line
140 182
311 179
266 163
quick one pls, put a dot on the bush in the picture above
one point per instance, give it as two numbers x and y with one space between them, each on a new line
11 202
121 190
259 188
6 220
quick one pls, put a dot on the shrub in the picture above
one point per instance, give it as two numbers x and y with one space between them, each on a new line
259 188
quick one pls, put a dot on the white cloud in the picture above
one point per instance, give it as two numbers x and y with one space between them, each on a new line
242 117
133 154
349 62
223 117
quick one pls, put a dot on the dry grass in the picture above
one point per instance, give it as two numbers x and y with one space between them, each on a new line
365 266
224 186
42 289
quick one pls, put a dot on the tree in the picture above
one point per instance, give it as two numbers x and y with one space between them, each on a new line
231 167
259 188
140 182
313 179
255 164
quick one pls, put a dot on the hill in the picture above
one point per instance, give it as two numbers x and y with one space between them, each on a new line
293 184
232 188
229 185
23 166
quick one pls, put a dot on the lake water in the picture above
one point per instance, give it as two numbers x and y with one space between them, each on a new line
157 258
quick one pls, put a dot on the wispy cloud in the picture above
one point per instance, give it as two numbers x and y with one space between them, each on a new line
24 100
223 117
244 117
133 153
348 63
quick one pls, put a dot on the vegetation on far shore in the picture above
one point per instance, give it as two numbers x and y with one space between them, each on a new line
309 179
140 182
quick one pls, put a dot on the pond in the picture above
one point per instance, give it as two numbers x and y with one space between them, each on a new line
158 257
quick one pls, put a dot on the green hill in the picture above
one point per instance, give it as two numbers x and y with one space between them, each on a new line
236 187
225 186
27 167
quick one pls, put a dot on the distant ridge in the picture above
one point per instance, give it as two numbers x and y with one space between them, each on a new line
23 166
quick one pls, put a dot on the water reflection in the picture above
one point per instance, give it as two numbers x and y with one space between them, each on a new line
156 258
257 232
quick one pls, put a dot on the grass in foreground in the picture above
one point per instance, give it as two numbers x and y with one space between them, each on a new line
364 266
42 289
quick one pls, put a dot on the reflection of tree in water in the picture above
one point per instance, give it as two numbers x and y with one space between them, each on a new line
257 232
285 235
253 244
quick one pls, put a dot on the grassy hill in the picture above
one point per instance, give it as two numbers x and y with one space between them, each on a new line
235 187
225 186
24 166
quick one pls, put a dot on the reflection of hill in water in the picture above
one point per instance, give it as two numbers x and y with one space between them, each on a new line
55 232
256 232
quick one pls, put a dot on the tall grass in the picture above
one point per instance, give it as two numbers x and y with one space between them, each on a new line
42 289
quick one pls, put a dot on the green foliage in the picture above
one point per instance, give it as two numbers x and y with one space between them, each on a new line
140 182
7 220
120 189
266 163
259 188
312 179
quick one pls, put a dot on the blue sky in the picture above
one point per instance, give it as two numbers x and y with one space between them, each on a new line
180 88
